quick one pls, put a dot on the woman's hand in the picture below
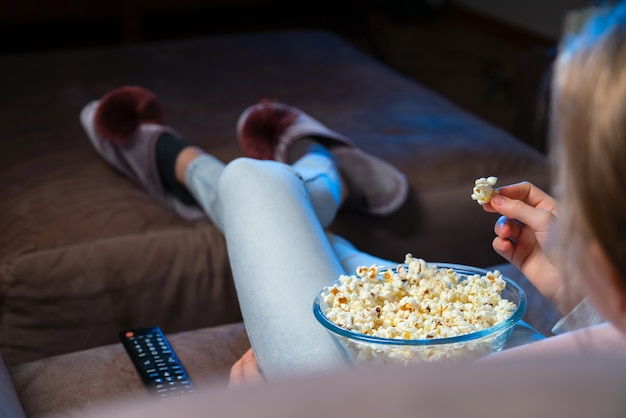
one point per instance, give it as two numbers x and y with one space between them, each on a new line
245 370
525 235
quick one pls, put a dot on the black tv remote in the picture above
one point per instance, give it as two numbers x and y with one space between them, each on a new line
155 361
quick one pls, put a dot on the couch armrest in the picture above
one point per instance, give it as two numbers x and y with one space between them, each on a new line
10 406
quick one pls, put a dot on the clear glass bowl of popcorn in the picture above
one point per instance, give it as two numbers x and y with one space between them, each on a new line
440 344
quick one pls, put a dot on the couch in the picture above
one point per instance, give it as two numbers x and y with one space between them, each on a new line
85 254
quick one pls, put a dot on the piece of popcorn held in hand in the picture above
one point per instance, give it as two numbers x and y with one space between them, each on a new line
483 189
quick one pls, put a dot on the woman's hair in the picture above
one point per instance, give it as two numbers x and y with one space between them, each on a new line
588 131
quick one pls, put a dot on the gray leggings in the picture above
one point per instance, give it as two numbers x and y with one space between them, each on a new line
273 217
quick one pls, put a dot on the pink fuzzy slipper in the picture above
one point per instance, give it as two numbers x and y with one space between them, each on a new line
123 126
269 129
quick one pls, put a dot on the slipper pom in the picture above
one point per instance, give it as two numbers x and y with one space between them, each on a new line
262 128
121 111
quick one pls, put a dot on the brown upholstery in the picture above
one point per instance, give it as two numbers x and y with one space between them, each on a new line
77 381
84 253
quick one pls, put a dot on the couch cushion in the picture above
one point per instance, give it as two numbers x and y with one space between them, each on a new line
71 383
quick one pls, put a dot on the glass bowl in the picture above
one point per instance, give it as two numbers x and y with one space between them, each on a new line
366 349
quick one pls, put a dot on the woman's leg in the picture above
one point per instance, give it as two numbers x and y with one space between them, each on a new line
327 192
323 183
280 258
200 173
351 258
273 217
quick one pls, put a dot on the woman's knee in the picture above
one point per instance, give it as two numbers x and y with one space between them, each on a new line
250 174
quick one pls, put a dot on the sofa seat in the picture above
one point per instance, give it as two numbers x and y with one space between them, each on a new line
70 384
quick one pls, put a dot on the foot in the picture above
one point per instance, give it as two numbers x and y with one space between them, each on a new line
124 127
269 130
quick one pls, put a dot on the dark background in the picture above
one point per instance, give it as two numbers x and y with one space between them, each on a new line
497 71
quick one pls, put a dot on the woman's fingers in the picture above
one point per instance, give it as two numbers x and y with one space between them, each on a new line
504 247
236 374
529 194
508 229
526 193
537 219
245 370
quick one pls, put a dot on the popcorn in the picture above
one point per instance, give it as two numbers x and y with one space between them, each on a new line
483 189
416 301
421 303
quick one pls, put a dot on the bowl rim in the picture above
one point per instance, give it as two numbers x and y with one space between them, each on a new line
494 330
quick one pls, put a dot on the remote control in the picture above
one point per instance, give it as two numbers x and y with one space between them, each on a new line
157 364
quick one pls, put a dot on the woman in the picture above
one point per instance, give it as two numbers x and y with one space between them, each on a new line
575 248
